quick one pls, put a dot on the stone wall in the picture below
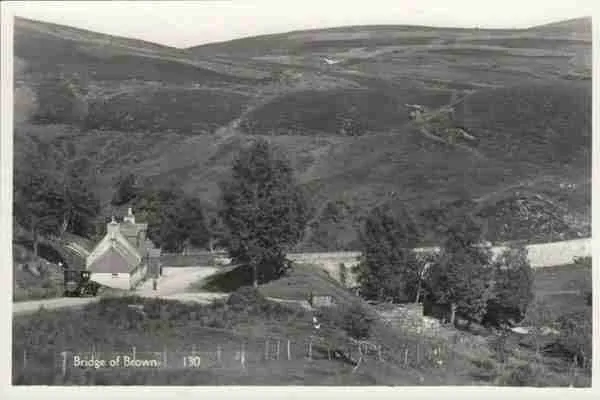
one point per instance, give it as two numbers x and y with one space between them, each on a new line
540 255
409 318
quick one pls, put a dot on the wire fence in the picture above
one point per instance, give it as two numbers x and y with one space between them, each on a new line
230 355
242 357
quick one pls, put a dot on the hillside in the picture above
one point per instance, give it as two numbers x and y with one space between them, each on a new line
522 97
214 333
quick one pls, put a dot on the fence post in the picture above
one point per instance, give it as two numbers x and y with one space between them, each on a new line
133 351
310 349
24 359
219 353
405 356
243 356
64 363
278 346
165 356
266 349
289 353
379 353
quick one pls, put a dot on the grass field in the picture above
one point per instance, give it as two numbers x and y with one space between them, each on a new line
564 288
170 331
177 329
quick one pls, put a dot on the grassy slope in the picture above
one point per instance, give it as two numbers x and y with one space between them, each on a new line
177 327
474 360
163 137
563 288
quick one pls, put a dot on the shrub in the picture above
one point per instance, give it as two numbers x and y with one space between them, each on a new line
588 298
485 363
485 368
576 336
246 296
519 375
352 318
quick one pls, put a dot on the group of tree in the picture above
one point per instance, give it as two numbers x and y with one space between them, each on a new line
388 241
52 192
175 219
462 279
261 215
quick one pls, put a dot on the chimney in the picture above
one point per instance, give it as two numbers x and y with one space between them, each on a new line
112 227
129 218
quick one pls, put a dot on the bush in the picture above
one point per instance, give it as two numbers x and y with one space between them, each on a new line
246 296
519 375
588 298
576 336
352 318
485 368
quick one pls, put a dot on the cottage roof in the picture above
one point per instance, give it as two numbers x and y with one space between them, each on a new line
113 242
113 261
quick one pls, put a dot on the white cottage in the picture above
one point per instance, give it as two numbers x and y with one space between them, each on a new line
122 258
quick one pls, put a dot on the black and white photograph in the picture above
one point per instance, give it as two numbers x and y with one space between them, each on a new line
263 193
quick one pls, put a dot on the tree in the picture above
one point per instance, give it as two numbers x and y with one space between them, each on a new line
52 189
462 278
38 203
80 205
389 268
263 209
174 219
183 223
125 189
513 283
217 232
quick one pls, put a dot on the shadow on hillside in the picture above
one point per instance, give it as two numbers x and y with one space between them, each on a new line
227 281
231 280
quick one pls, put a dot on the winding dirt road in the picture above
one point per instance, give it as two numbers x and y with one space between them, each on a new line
174 285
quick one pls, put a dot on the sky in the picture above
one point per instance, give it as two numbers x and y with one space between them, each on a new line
190 23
